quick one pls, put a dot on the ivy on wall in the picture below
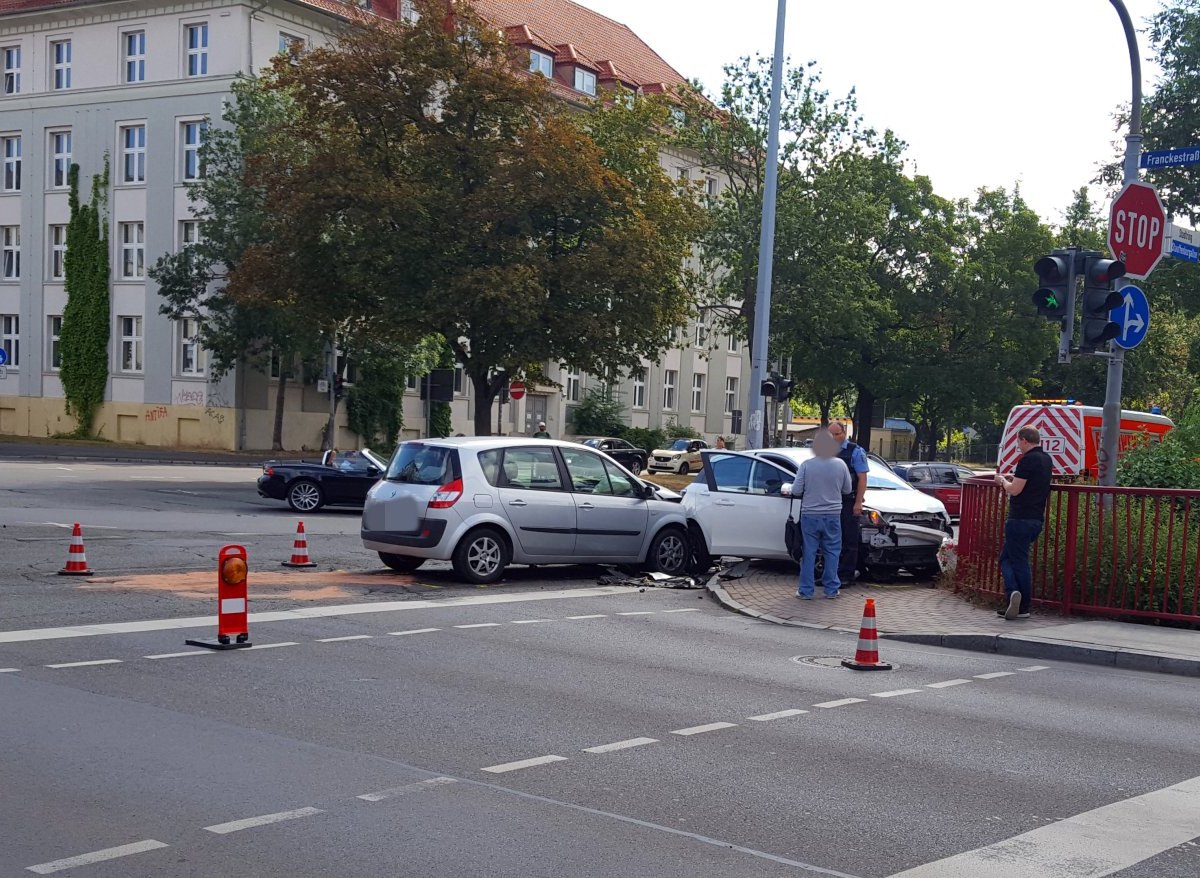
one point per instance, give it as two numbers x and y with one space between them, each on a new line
85 327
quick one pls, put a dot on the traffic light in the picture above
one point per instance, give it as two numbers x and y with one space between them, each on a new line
783 387
769 386
1099 299
1055 298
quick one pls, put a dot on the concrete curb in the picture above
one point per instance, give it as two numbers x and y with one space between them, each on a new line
1030 646
713 586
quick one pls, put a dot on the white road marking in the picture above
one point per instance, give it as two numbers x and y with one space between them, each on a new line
687 610
638 613
163 655
407 788
1035 668
699 730
779 714
841 702
480 625
1099 842
945 684
593 616
273 645
528 621
124 850
523 763
304 613
894 693
9 670
262 820
86 664
994 675
340 639
413 631
620 745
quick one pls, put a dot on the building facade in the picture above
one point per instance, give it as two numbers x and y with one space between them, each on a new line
134 84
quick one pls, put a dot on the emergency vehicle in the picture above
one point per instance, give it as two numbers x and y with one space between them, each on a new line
1071 435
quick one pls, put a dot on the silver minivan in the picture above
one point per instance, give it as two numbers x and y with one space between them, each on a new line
485 502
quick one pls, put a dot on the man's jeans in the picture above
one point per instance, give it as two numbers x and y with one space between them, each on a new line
821 533
1019 535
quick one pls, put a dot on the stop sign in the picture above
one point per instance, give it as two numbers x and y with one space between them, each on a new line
1136 229
516 389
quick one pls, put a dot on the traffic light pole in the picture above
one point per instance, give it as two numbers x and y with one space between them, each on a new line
756 428
1110 430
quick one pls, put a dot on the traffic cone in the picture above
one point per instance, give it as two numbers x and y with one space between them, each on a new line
300 550
76 558
866 657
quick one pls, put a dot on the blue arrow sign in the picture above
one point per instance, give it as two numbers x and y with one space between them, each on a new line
1133 316
1171 158
1184 251
3 357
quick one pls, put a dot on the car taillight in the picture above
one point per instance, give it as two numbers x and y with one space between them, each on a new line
447 495
269 470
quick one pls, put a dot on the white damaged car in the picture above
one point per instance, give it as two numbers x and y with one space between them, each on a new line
735 508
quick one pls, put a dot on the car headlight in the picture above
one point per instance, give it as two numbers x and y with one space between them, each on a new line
872 518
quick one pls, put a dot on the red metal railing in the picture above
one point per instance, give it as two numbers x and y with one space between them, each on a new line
1125 552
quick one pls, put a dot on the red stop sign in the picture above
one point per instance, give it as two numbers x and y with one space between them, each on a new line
1136 229
516 389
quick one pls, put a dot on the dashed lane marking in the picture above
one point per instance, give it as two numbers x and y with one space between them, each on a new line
523 763
620 745
841 702
274 645
262 820
86 664
124 850
686 610
945 684
9 670
166 655
593 616
528 621
995 675
413 631
700 730
894 693
1035 668
480 625
394 792
341 639
779 714
638 613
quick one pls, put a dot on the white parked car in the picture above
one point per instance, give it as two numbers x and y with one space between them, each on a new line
682 457
735 507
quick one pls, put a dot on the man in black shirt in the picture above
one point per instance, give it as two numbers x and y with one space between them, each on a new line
1028 490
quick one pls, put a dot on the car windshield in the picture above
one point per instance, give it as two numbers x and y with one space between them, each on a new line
420 464
879 475
592 443
679 445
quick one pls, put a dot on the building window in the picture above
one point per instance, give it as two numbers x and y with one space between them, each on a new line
701 335
133 154
192 138
197 49
291 45
190 356
458 379
410 382
12 164
698 392
733 344
60 158
135 56
711 187
10 236
10 338
131 343
639 389
585 81
540 62
275 369
678 116
53 335
670 378
731 394
573 377
12 70
683 175
60 55
408 12
189 233
133 250
58 252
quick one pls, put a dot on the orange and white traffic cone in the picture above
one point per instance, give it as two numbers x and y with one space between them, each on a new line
866 657
76 557
300 550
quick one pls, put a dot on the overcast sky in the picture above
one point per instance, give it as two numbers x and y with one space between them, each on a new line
985 92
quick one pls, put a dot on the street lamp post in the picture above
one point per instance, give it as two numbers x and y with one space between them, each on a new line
756 428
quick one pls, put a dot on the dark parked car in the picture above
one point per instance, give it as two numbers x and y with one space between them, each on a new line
339 479
941 480
629 456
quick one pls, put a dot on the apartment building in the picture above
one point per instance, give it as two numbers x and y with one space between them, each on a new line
137 82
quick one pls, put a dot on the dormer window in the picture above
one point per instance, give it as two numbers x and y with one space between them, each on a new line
585 81
540 62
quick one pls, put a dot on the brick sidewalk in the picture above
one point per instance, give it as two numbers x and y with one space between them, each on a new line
770 591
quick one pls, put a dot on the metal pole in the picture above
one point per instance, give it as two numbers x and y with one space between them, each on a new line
766 248
331 371
1110 430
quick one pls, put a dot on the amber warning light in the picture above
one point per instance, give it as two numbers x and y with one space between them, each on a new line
233 610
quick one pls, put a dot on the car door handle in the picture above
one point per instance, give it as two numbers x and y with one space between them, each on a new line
724 503
517 503
586 506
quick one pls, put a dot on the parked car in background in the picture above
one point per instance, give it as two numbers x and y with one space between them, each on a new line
682 457
486 502
629 456
736 508
338 479
941 480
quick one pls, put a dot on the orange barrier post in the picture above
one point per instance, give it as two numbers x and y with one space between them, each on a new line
77 564
300 550
233 610
866 657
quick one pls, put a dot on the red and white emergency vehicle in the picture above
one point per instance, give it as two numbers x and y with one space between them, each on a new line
1071 435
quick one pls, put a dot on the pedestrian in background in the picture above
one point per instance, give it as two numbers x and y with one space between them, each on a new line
855 459
542 432
720 443
1028 489
820 483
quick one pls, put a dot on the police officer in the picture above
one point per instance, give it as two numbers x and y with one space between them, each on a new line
852 504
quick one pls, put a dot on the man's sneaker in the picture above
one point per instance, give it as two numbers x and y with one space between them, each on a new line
804 597
1022 615
1014 606
836 594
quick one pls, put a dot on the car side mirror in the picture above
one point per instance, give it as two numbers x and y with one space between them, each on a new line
372 470
648 492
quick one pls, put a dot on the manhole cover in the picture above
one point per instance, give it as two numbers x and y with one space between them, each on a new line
829 662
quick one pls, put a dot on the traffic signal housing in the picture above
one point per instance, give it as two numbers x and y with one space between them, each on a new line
1099 299
769 386
1055 297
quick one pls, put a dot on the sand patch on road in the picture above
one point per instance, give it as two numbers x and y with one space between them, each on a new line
307 585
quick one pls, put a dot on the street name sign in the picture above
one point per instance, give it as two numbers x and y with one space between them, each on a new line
1183 243
1137 227
1171 158
1133 316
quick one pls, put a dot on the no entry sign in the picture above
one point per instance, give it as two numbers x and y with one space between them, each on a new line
1136 229
516 389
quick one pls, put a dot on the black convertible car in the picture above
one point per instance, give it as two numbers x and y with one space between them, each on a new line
629 456
341 478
